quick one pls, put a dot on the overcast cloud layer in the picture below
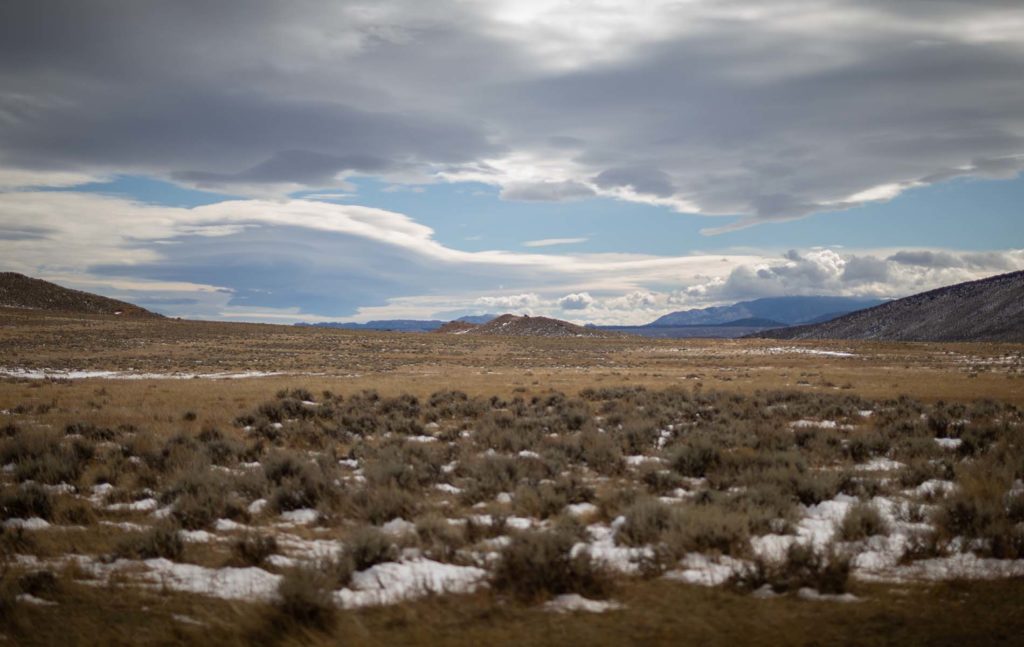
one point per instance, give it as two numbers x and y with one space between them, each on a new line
765 110
756 111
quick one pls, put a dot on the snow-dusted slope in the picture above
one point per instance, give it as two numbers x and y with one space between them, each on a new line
991 309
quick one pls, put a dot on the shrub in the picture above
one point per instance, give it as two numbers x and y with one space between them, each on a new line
39 583
162 540
378 505
646 521
865 445
637 435
490 475
27 501
295 394
803 567
977 438
449 404
541 501
707 529
612 502
368 546
200 496
179 452
252 549
767 507
90 431
220 449
659 481
197 510
861 521
979 509
811 488
299 482
695 458
601 452
439 539
409 466
15 540
540 564
45 457
74 512
305 600
918 471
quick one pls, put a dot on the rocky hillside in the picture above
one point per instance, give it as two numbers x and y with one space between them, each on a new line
526 326
20 291
456 327
991 309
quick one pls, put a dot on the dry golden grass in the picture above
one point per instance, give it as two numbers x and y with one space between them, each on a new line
346 361
656 613
771 465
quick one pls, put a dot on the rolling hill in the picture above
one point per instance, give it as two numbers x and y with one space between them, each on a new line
509 325
991 309
20 291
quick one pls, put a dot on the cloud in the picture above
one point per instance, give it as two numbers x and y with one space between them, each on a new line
945 260
764 112
510 302
865 269
829 272
924 258
576 301
551 242
546 191
648 181
296 260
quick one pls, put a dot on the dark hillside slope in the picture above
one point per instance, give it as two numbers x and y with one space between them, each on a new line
20 291
991 309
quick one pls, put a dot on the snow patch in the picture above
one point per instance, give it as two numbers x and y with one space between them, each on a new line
574 602
581 509
303 516
602 549
32 523
28 598
227 583
398 526
813 594
64 374
700 569
961 566
393 582
879 465
145 505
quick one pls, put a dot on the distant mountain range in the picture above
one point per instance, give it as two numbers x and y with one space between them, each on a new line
20 291
784 310
991 309
736 320
747 317
400 325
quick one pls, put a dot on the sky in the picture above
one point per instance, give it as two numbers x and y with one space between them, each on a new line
597 161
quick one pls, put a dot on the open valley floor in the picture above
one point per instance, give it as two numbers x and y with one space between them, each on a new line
168 481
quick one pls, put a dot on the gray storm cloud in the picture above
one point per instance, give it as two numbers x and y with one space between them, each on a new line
766 112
